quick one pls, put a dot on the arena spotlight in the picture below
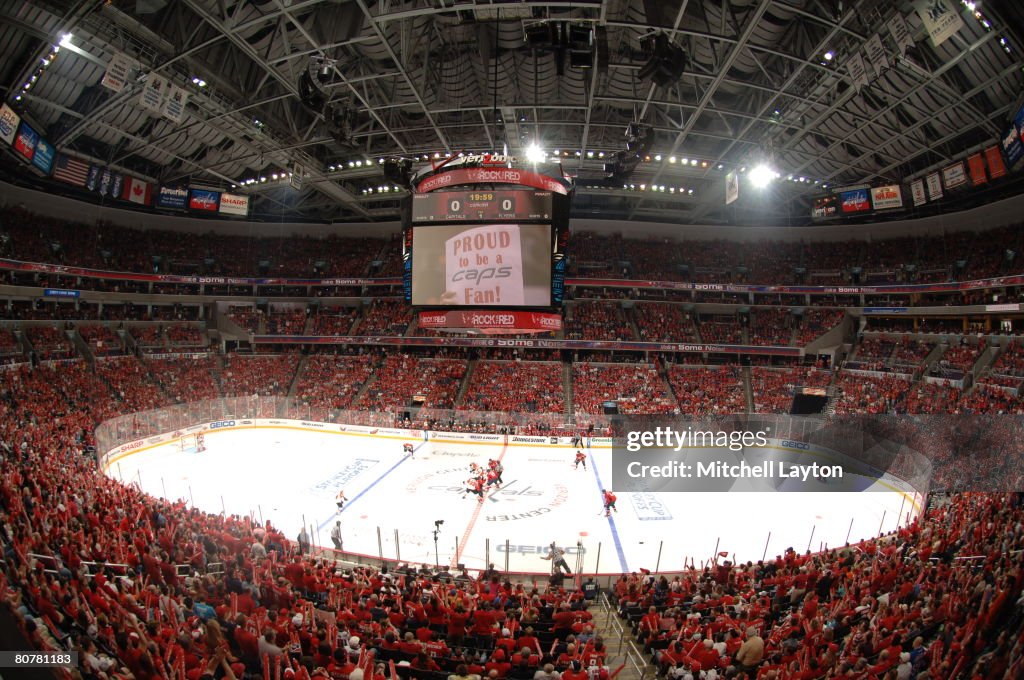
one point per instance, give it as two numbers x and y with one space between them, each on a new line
535 154
761 175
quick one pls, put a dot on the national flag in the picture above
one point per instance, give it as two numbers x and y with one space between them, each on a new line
136 191
71 170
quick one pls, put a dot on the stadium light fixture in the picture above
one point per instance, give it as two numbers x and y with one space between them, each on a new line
828 55
65 40
762 175
535 154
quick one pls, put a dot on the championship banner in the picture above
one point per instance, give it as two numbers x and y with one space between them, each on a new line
153 92
116 75
8 123
934 186
732 187
494 175
875 52
941 18
858 72
174 104
954 175
887 197
900 33
976 167
233 204
994 160
492 323
917 191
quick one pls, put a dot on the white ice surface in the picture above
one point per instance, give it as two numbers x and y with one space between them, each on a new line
291 476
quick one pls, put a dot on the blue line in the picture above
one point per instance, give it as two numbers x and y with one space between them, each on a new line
611 520
348 504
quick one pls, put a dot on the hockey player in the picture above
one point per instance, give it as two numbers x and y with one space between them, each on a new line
200 442
340 499
408 449
493 477
475 485
496 467
609 502
581 458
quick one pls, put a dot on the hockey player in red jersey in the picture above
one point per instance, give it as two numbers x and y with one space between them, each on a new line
609 502
581 458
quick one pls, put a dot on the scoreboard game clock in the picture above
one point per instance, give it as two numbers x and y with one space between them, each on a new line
482 206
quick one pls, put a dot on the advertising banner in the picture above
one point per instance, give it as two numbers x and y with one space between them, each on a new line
887 197
825 207
26 141
43 157
175 198
204 200
8 123
855 201
492 322
233 204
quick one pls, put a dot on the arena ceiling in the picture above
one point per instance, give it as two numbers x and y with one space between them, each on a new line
424 78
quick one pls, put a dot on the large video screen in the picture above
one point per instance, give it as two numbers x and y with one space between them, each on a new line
507 265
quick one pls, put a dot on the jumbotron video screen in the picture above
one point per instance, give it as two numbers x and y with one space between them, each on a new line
483 249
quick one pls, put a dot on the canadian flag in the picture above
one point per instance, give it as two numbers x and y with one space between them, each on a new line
136 191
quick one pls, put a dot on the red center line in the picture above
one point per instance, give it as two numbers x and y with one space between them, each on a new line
472 520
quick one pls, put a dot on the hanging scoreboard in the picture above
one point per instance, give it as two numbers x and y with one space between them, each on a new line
482 206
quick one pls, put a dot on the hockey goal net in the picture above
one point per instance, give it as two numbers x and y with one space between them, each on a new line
191 442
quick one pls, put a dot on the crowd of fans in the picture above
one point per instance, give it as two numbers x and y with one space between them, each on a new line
597 321
402 378
721 330
330 382
708 391
333 321
248 317
132 383
385 317
259 375
49 342
515 386
102 341
635 388
286 322
817 322
771 326
662 322
186 378
773 389
938 600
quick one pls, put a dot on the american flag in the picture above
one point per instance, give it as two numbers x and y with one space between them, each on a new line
71 170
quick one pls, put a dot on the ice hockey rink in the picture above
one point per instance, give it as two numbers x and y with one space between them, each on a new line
290 476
